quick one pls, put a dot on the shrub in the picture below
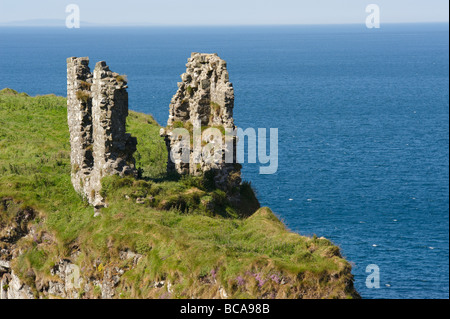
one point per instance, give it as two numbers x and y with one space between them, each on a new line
249 202
215 107
85 85
122 78
9 91
83 96
178 124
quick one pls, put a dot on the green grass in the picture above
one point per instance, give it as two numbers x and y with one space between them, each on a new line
187 232
215 107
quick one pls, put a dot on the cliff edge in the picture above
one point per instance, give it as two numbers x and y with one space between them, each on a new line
158 235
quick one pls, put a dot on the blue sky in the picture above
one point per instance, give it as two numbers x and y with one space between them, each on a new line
225 12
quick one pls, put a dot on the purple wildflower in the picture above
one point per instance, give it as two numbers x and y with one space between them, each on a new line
260 280
240 281
275 279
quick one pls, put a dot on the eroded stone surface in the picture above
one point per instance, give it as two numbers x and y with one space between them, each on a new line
79 116
11 287
68 278
97 108
205 99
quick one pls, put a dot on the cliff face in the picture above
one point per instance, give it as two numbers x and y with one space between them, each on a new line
65 279
12 230
127 274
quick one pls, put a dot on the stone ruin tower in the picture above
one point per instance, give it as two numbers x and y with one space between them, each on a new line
97 108
205 98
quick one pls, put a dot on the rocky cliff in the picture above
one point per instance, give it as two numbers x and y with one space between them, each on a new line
158 236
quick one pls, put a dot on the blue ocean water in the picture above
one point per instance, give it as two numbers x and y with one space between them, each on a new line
363 119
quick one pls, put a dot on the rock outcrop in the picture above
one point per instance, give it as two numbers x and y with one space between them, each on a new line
11 287
205 99
66 278
97 108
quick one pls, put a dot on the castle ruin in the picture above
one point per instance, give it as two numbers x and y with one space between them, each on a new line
205 99
97 108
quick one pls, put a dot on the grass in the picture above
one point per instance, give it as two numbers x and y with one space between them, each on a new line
215 107
85 85
121 78
187 232
83 95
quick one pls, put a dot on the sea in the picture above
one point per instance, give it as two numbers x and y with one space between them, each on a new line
362 117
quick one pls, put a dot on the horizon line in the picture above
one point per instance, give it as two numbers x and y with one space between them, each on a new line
88 24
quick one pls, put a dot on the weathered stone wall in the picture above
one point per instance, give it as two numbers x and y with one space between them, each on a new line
113 147
79 114
205 98
97 108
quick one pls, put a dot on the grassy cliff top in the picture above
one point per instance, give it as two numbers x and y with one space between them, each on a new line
187 233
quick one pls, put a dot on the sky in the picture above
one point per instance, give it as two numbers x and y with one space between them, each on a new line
225 12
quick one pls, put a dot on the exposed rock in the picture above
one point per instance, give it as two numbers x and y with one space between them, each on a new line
110 281
223 294
15 289
128 254
4 266
11 286
71 280
67 281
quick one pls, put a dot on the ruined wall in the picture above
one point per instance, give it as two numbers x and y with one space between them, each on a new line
79 115
97 108
205 98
